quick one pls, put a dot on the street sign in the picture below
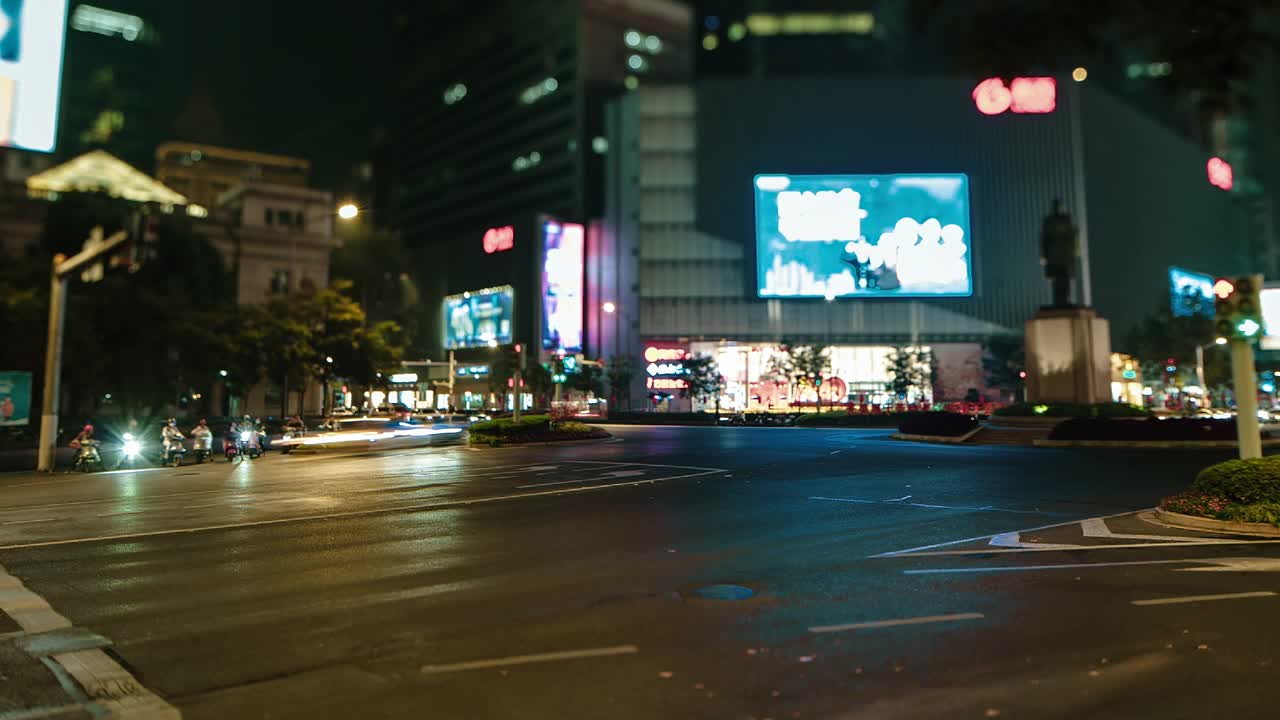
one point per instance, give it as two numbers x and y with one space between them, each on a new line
15 398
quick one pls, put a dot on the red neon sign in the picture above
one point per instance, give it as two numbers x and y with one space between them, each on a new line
1220 174
499 239
1029 95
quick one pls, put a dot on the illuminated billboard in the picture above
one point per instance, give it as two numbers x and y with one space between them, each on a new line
1269 299
478 318
1190 293
562 281
863 236
31 39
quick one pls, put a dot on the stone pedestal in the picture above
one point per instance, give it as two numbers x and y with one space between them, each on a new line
1068 356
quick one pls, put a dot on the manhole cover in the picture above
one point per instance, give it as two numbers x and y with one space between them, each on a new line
724 592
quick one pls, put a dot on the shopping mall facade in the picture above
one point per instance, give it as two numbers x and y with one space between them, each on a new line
856 213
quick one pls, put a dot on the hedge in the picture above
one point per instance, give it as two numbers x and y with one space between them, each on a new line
1256 480
1149 430
938 423
1103 410
530 428
845 419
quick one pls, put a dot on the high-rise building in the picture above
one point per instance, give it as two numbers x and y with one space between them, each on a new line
499 115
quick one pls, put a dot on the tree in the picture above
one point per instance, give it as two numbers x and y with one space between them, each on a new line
375 264
619 374
1003 361
588 379
703 379
801 365
910 369
1162 335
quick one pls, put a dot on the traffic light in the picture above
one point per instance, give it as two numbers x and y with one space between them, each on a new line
1237 307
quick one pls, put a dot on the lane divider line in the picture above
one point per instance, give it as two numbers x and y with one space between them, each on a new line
930 506
528 659
1202 598
894 623
917 550
109 689
1065 566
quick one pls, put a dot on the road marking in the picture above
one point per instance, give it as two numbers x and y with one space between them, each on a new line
356 513
1074 548
930 506
1014 540
893 623
108 689
1203 598
606 476
528 659
1239 565
904 497
28 522
1065 566
637 464
1097 527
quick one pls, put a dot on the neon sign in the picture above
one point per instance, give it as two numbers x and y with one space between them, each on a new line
564 245
1028 95
499 239
1220 175
658 354
665 369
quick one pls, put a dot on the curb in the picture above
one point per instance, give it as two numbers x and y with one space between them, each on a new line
937 439
1191 522
1153 445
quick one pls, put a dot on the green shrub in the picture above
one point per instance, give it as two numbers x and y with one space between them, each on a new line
1257 513
1104 410
938 423
530 428
845 419
1242 481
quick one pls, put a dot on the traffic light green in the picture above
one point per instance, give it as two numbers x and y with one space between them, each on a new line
1238 307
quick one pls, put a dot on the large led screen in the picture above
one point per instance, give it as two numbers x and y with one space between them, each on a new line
1190 293
562 280
863 236
478 318
31 39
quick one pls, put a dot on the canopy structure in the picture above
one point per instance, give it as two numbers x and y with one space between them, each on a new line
100 171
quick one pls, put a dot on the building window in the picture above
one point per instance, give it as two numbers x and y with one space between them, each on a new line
298 220
269 216
280 282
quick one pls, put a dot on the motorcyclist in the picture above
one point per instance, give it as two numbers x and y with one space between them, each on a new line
294 425
78 441
248 425
202 436
172 437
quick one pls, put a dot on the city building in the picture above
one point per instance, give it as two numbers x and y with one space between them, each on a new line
693 161
500 119
205 173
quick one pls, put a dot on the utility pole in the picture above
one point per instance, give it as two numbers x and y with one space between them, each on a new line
453 374
1246 387
94 248
517 383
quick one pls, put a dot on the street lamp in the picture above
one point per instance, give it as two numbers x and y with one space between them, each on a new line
223 373
609 307
1200 363
348 211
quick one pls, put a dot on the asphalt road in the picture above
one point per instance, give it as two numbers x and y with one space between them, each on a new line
570 581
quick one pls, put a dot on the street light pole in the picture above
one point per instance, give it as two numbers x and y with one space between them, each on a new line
1246 387
1204 389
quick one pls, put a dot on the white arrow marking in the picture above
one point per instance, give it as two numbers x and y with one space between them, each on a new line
606 476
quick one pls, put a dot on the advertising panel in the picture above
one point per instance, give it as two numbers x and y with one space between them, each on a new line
1269 299
863 236
1190 293
31 40
15 398
664 367
562 285
478 318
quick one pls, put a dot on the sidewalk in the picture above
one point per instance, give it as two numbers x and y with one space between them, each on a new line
19 460
52 669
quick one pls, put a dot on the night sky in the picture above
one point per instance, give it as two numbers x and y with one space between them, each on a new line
302 77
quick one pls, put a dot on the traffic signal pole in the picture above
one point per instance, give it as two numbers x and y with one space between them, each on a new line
1246 387
62 269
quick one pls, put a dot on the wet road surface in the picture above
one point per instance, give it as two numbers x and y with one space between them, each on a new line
611 580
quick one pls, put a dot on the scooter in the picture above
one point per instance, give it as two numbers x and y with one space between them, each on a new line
173 454
247 445
88 459
203 447
231 449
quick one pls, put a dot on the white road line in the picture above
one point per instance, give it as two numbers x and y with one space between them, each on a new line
1075 548
893 623
904 497
28 522
930 506
1203 598
1065 566
350 513
1014 540
1097 527
639 464
606 476
527 659
916 550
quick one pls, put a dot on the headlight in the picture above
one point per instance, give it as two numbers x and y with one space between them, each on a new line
245 436
131 447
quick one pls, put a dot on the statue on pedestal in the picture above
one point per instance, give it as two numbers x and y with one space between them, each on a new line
1060 252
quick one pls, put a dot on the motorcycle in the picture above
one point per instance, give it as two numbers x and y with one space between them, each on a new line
247 446
88 459
173 454
203 447
130 451
231 449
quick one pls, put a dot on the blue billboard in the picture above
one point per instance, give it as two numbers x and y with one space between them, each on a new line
863 236
15 398
1190 293
478 318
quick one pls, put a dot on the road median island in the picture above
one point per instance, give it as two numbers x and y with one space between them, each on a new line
1236 496
532 429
